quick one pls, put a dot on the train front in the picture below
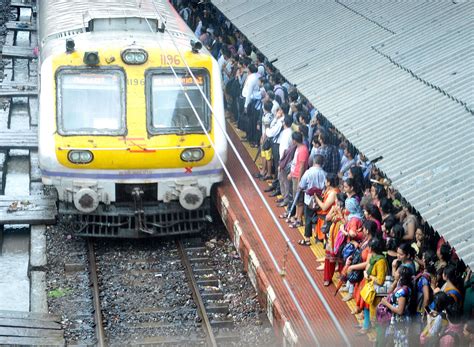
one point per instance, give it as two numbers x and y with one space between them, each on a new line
126 134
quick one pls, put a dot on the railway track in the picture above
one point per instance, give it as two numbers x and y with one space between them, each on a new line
25 208
22 198
147 293
149 297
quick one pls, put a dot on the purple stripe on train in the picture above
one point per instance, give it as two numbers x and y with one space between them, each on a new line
131 176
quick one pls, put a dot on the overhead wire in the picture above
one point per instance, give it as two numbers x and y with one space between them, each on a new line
239 195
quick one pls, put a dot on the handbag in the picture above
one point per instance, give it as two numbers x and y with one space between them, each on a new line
368 292
347 251
313 204
339 243
326 227
356 276
267 144
383 314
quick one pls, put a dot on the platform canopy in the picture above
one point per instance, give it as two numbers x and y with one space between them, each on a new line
396 78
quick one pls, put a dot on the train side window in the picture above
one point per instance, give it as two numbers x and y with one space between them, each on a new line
168 109
91 102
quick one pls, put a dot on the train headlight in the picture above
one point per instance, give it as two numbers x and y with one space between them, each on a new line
192 154
134 56
91 58
80 157
195 46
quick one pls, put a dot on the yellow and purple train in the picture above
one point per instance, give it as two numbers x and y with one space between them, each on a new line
128 136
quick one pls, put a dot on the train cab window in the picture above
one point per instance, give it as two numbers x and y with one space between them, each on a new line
169 111
91 102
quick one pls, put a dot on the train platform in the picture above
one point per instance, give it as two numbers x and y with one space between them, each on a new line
303 312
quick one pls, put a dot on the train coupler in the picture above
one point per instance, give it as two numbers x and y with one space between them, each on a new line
140 224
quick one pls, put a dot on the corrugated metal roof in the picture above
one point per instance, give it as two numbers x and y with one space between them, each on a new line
396 79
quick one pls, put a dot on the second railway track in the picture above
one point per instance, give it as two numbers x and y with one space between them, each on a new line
144 296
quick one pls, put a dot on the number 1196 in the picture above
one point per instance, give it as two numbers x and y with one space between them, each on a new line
170 59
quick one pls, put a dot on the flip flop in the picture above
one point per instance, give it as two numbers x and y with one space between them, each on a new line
304 242
283 216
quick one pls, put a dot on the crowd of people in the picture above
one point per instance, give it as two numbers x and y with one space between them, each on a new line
408 284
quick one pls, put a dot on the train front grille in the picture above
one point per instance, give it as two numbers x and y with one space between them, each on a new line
120 221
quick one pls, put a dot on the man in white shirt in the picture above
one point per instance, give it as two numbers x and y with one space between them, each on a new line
347 162
274 131
285 135
285 143
224 65
250 91
251 85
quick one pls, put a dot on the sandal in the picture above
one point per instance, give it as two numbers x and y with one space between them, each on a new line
295 225
304 242
326 283
320 268
283 215
362 332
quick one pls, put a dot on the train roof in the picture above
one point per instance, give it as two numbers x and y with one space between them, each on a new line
66 18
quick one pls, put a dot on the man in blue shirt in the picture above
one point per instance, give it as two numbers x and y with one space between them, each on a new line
313 179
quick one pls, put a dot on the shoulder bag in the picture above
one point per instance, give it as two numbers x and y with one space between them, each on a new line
368 292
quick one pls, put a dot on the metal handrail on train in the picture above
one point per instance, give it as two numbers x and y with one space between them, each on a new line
279 227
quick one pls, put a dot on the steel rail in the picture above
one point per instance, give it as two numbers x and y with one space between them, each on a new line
309 327
252 219
99 328
197 296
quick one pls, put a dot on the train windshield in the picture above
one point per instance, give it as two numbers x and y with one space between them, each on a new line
169 111
91 102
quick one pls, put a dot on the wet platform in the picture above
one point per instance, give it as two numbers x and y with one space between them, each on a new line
302 311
